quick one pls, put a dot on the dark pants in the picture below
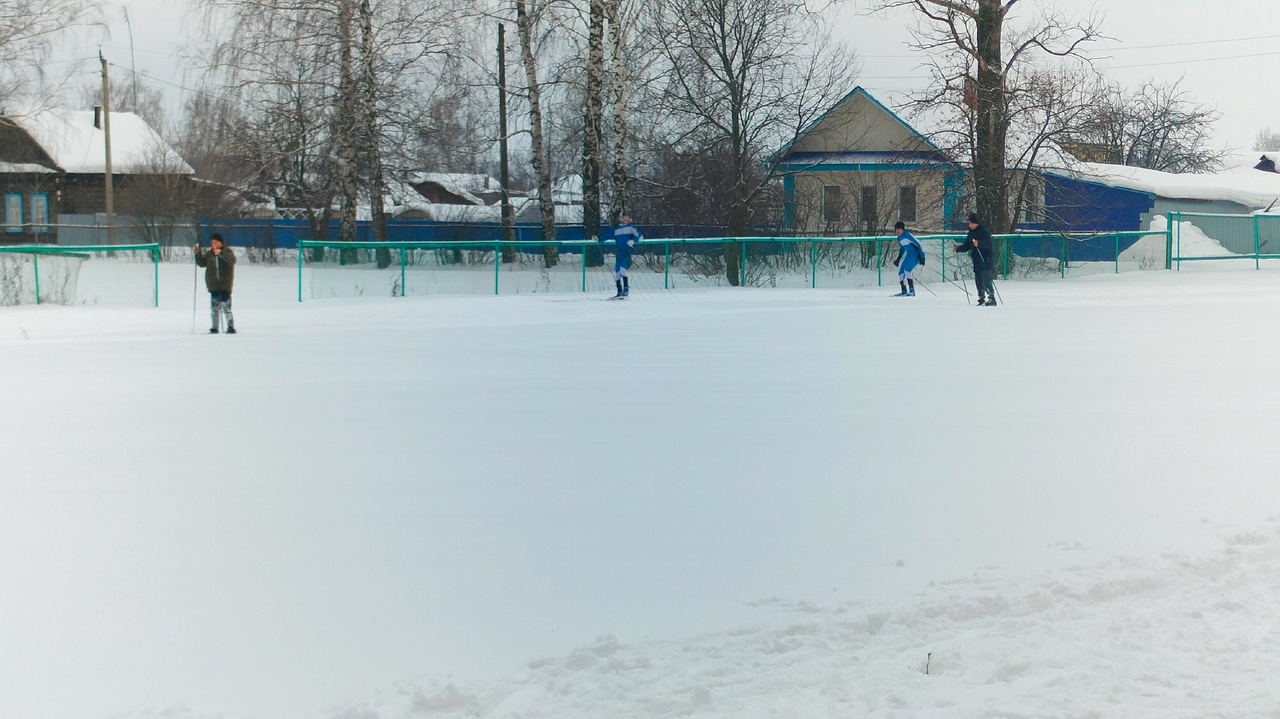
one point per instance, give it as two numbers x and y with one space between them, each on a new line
984 278
220 303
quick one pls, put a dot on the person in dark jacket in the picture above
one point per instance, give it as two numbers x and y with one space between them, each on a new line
219 263
982 252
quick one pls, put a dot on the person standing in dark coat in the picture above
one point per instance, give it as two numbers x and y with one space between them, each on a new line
219 263
982 252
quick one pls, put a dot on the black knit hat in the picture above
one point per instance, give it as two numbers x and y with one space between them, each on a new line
973 218
899 225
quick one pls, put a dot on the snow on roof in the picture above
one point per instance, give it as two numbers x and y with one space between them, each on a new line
475 214
19 168
1242 185
76 146
463 185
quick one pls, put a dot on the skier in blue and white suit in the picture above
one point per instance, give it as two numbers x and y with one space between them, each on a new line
626 237
910 254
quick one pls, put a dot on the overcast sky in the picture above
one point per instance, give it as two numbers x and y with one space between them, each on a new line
1232 65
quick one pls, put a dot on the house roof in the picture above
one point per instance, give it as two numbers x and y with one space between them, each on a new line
77 147
24 168
1242 185
463 185
820 160
876 129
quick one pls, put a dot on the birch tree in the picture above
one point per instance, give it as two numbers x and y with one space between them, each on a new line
593 121
525 29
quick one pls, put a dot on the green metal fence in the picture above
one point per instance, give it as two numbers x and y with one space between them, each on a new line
1204 237
90 274
398 269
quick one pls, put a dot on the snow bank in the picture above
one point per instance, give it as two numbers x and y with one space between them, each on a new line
1176 635
1151 251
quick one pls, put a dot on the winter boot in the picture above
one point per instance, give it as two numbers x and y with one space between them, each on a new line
618 284
231 329
911 288
626 286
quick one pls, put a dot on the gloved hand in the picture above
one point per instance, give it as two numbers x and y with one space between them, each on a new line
922 260
895 263
631 243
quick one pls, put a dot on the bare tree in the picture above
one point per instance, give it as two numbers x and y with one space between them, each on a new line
328 90
975 54
29 30
1157 126
525 22
593 120
1266 140
743 78
618 86
131 95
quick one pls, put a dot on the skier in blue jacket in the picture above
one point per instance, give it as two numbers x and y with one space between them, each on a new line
626 237
910 254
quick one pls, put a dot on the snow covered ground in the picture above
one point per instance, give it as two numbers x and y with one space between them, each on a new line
719 503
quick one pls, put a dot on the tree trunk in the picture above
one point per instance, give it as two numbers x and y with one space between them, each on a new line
618 201
504 165
991 122
524 27
345 129
592 126
371 133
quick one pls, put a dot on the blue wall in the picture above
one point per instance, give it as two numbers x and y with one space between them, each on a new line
1077 206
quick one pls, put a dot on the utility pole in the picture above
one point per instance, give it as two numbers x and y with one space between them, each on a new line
504 168
106 131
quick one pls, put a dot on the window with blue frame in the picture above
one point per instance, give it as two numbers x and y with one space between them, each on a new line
13 212
39 212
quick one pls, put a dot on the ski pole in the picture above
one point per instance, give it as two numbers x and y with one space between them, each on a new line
195 283
963 289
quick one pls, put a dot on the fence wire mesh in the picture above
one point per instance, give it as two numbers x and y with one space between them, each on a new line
89 275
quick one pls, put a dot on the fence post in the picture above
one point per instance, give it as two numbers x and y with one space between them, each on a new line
1257 258
879 265
155 279
35 266
1179 240
584 266
497 266
404 290
942 247
1168 241
300 251
666 265
813 261
1117 238
1007 242
742 269
1062 266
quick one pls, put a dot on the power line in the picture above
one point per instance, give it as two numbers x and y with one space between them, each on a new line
1200 59
1127 48
167 82
1195 42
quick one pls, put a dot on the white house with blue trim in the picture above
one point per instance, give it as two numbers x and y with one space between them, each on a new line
859 168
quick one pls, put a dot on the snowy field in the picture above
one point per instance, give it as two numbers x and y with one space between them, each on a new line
709 503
